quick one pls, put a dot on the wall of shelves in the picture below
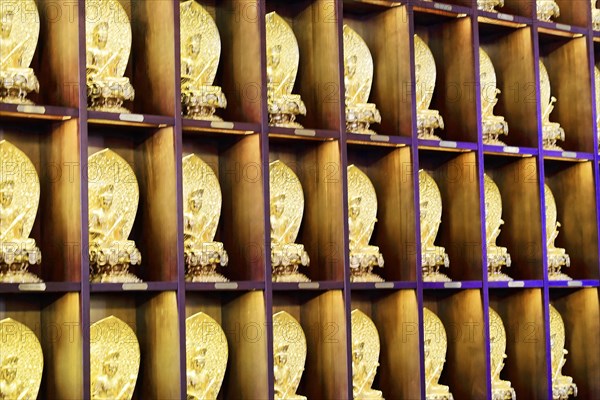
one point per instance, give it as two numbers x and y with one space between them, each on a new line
59 135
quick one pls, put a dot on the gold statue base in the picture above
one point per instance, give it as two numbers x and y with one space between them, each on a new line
552 133
281 274
112 275
498 257
360 117
283 111
493 128
504 393
206 273
109 95
111 266
563 390
201 104
427 122
17 274
16 84
201 264
431 262
15 257
439 396
285 261
555 263
362 264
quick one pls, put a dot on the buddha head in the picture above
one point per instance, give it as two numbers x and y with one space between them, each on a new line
354 209
358 349
110 366
100 34
6 193
8 368
195 200
193 45
106 196
6 23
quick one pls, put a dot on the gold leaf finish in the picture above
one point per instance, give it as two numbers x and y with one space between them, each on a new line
362 216
108 45
547 10
114 360
365 356
436 345
289 354
490 5
19 34
113 197
207 351
287 209
433 257
283 58
497 256
425 72
501 390
562 386
358 78
552 131
19 201
557 257
202 210
200 54
21 361
595 16
493 125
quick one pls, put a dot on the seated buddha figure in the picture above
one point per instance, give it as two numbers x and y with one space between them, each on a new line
109 384
428 120
557 257
111 253
552 131
286 380
17 80
501 389
358 77
202 254
17 251
363 375
435 348
493 125
200 385
489 5
562 386
11 387
200 53
363 256
497 256
547 9
107 88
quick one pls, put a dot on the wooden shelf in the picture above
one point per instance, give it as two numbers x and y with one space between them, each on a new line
518 8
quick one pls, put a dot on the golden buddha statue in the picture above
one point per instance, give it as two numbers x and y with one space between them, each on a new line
362 216
493 125
115 360
595 16
200 53
289 356
557 257
19 33
108 44
490 5
547 10
425 73
287 209
202 211
283 57
562 386
497 256
358 77
432 256
552 131
436 345
113 196
206 357
21 361
19 200
501 390
365 357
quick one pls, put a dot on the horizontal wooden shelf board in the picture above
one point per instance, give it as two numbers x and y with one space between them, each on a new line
140 120
224 286
378 140
516 284
452 285
303 133
558 29
41 112
46 287
439 8
575 283
391 285
446 145
366 6
224 127
567 155
316 285
133 287
502 19
510 151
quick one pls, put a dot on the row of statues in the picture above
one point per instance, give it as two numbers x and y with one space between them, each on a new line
108 44
115 358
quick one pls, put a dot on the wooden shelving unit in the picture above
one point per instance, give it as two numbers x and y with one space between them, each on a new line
59 133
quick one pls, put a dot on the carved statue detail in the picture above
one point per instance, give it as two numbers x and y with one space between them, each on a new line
289 354
497 256
365 357
562 386
501 390
494 126
436 345
425 72
552 131
557 257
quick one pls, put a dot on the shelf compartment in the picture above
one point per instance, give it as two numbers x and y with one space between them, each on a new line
522 315
524 9
461 312
567 63
151 154
395 314
580 313
390 170
236 161
52 148
573 186
455 91
55 320
456 175
510 151
573 12
240 66
518 182
319 80
516 80
387 35
317 165
242 316
323 320
153 317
